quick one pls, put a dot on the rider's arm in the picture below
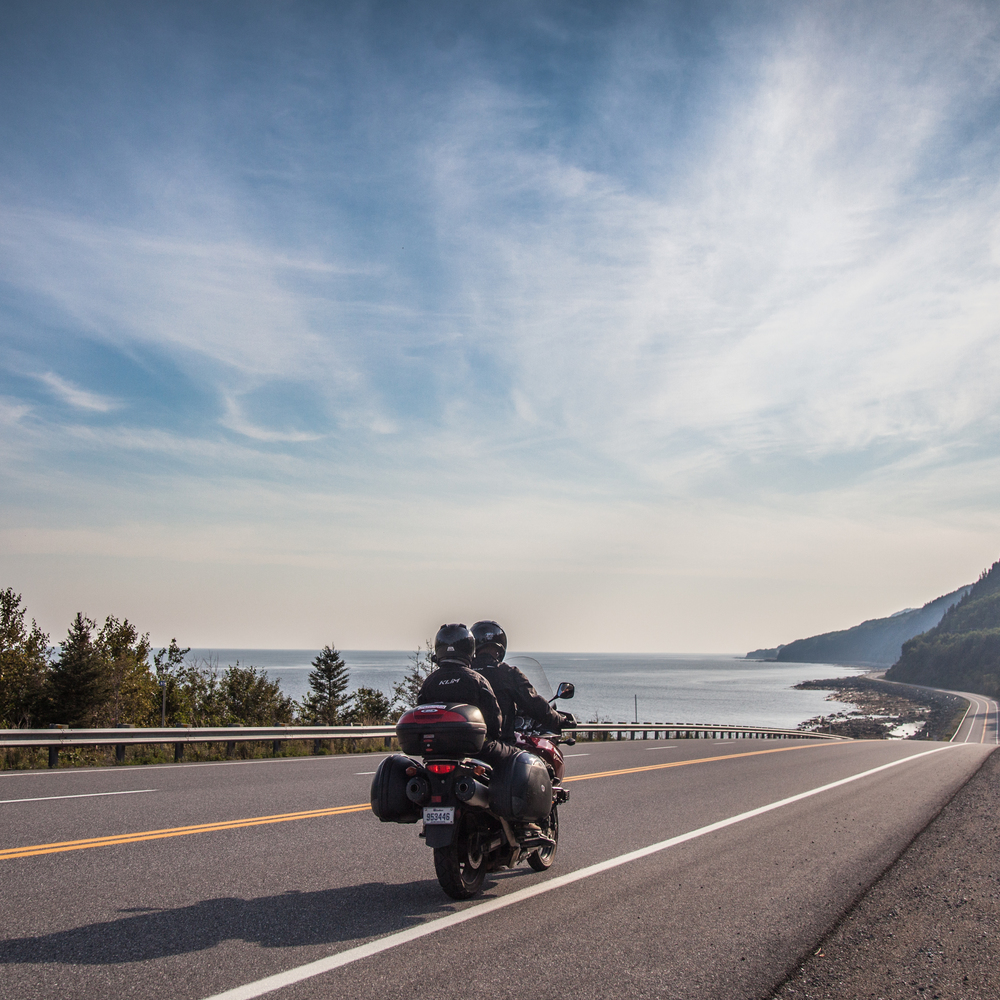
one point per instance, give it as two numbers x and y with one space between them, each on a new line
531 703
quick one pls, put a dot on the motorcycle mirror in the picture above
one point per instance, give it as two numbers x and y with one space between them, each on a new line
565 690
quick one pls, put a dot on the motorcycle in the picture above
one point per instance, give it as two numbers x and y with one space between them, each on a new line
476 819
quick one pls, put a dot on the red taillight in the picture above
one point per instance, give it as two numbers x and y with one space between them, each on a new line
441 768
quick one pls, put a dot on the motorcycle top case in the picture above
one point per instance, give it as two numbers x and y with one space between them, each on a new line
442 730
522 789
389 800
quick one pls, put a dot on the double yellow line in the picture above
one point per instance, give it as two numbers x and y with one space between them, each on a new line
174 831
238 824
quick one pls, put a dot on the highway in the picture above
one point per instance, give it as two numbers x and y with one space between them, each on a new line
687 868
982 721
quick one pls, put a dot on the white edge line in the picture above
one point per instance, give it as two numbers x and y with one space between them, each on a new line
962 723
331 962
81 795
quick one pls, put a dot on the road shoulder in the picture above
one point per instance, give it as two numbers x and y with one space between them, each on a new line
929 926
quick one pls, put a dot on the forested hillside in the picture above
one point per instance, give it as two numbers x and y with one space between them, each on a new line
877 642
963 651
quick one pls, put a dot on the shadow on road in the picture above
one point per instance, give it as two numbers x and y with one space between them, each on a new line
288 920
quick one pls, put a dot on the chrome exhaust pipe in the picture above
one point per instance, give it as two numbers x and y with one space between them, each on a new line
471 792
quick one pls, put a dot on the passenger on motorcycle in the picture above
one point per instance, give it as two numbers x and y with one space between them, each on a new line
514 692
455 681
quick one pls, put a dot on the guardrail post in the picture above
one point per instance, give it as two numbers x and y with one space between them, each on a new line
54 751
120 747
231 744
276 747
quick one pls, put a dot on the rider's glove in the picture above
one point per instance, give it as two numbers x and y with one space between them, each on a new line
568 718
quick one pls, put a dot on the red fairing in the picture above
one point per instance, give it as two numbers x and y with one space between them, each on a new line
545 749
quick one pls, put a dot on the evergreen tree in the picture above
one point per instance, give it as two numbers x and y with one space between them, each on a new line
77 681
327 700
23 664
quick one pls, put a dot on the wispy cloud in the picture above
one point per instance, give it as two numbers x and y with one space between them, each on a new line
697 299
79 398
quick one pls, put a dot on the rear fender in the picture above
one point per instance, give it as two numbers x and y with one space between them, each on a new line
440 834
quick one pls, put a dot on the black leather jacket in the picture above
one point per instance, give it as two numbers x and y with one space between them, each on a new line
516 696
455 682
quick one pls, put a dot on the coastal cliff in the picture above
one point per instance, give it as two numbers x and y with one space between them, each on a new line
963 651
877 642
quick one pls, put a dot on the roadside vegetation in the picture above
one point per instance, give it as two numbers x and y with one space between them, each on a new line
102 676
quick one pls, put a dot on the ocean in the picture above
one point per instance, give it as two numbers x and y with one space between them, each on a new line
613 687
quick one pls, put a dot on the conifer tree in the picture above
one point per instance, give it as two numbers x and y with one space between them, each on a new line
326 702
77 681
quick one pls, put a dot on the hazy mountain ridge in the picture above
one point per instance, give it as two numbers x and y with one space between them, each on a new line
963 651
877 642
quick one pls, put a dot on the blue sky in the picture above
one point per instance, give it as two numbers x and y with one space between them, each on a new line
637 326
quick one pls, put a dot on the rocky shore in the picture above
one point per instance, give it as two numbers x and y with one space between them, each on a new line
883 710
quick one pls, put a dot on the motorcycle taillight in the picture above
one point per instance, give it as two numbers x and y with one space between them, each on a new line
441 768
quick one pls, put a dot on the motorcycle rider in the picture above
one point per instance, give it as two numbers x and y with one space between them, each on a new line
455 681
514 692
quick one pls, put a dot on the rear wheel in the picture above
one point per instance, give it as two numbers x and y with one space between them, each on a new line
544 856
461 867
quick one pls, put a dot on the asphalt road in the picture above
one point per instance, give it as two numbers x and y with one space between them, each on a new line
205 879
982 721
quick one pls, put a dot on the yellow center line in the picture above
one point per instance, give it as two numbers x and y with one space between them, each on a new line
177 831
238 824
700 760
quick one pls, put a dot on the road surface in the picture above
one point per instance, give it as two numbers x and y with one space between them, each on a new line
687 868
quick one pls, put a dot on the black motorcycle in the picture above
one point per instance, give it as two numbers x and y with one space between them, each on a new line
477 820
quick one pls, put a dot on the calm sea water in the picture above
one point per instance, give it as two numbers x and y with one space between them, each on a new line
666 688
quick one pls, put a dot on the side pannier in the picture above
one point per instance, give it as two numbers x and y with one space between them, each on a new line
389 801
522 790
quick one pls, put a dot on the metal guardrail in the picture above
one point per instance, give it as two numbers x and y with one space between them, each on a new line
690 730
127 735
61 737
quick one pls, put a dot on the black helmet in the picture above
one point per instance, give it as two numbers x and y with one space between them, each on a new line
454 643
490 637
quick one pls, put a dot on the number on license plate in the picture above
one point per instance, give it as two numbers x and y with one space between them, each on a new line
443 814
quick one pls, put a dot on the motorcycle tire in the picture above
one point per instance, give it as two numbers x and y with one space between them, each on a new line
542 859
461 867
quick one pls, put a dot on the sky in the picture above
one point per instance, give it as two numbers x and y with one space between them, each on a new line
634 326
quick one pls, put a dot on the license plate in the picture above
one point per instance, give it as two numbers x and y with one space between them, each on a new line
442 814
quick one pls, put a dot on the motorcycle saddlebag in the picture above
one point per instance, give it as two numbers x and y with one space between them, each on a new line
442 730
522 790
389 801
